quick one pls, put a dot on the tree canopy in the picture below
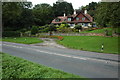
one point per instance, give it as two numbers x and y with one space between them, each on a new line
62 7
43 14
21 16
107 14
15 15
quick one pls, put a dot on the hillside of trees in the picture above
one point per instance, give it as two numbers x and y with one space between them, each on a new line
20 16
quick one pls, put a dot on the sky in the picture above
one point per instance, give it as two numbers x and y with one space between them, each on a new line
76 3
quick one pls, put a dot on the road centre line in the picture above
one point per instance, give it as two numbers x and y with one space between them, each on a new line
70 56
75 57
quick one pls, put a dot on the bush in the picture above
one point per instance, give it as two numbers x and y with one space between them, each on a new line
34 30
26 34
78 27
11 34
58 37
64 28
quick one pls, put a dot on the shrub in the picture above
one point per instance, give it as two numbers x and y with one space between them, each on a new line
64 29
11 34
58 37
26 34
34 30
78 27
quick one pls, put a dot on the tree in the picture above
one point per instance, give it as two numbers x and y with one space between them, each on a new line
62 7
12 15
11 11
101 17
43 14
108 14
91 8
26 19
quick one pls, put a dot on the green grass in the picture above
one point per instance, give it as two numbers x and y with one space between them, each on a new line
0 66
91 43
24 40
14 67
98 30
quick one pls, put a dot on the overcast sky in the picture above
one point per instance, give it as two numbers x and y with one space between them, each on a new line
76 3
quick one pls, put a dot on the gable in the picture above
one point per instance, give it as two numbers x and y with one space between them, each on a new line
81 17
75 18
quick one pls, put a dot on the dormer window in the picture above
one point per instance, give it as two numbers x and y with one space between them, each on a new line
83 18
77 18
69 19
57 20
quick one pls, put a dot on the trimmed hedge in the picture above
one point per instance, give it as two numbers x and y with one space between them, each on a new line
11 34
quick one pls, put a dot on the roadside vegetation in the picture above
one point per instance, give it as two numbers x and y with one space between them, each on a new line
97 30
108 31
24 40
14 67
91 43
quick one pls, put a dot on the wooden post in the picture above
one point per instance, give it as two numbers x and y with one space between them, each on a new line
102 47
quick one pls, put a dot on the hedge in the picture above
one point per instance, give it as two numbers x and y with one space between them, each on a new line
11 34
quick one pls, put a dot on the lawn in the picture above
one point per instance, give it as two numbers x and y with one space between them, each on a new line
24 40
98 31
14 67
91 43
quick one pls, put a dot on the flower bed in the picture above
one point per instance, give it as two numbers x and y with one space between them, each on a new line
58 37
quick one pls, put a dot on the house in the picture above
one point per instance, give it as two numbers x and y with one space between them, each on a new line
83 19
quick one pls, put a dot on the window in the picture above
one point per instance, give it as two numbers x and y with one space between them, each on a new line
77 18
69 19
86 24
57 20
83 18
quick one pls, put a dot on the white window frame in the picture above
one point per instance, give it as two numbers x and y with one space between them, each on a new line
77 18
69 19
83 19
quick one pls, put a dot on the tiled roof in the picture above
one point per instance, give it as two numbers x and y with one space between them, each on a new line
89 17
64 19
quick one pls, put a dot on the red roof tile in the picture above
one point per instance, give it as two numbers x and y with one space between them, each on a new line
64 19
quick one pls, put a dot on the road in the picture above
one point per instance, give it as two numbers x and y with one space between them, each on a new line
83 63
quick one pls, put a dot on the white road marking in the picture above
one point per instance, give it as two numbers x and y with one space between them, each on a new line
75 57
13 46
70 56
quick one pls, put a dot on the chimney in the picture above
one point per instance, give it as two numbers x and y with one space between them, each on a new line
64 15
85 12
74 11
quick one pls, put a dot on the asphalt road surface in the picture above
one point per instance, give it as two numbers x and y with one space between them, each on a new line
83 63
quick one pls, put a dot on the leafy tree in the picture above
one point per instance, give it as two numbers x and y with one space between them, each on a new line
91 8
12 15
108 14
43 14
102 17
11 11
26 19
62 7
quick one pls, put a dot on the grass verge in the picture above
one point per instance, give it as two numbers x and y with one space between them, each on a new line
24 40
91 43
98 30
14 67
